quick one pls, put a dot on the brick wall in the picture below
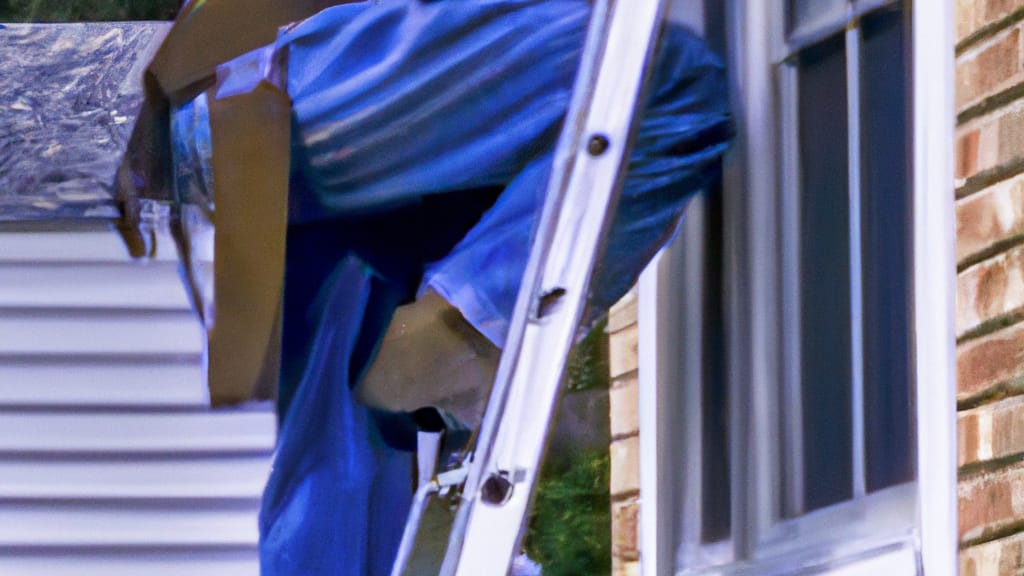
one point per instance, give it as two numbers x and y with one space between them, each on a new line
625 445
990 284
989 316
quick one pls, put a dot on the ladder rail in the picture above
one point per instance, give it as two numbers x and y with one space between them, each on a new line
586 180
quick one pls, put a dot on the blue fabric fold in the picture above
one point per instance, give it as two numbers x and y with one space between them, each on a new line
397 101
422 142
337 493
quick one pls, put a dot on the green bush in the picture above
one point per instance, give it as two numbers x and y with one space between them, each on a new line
588 362
570 529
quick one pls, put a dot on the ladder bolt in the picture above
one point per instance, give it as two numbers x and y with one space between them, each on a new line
597 145
496 490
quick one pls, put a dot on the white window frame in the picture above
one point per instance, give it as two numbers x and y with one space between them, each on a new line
804 529
915 520
668 350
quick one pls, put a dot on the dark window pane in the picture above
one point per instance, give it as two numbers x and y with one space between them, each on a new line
825 276
886 214
804 12
716 492
714 30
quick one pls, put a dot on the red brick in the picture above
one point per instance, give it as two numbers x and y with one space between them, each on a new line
991 431
967 154
990 502
995 558
966 438
990 289
990 360
988 152
998 9
993 67
625 529
1007 427
965 13
1011 136
993 215
972 15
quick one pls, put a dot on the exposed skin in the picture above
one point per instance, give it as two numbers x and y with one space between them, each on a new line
431 356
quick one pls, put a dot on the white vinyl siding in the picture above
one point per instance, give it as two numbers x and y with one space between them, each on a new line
110 460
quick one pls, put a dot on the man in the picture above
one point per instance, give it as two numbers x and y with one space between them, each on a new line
421 142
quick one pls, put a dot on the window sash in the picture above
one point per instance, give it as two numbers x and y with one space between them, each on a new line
787 46
672 353
756 289
753 317
670 344
830 538
759 506
791 301
869 522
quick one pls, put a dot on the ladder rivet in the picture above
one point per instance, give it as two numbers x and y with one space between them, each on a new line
496 490
597 145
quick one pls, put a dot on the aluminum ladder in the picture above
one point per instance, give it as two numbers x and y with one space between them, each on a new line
493 489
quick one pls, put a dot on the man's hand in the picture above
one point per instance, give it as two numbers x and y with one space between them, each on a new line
431 356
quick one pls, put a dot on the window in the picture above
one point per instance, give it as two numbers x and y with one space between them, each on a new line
845 224
784 329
